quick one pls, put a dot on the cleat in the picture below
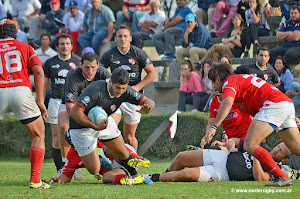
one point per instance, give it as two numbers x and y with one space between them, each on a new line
280 182
98 176
139 179
104 160
191 147
40 185
78 175
137 162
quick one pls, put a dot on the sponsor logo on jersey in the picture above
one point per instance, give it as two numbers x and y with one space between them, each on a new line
137 95
148 61
113 107
125 67
70 96
72 65
63 73
248 159
86 100
55 66
266 77
116 62
6 47
231 116
132 61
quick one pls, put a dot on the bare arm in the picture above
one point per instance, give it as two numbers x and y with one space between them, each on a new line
282 35
37 11
110 32
258 172
69 106
151 74
172 23
39 79
61 179
294 36
147 105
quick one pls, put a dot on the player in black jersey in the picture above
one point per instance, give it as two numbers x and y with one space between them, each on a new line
209 165
134 60
108 94
56 70
77 80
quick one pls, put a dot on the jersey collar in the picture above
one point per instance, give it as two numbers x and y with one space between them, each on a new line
64 59
125 52
107 85
260 68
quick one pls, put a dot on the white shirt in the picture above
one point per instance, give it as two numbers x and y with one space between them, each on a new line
21 36
44 56
74 24
158 18
25 7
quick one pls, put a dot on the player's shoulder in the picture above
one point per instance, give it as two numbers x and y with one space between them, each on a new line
75 57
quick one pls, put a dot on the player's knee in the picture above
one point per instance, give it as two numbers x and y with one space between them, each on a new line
188 175
180 156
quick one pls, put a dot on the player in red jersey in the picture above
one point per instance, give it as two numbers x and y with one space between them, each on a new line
270 108
17 59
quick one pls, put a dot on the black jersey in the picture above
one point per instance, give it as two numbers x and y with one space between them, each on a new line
133 61
269 75
240 164
57 70
76 83
97 94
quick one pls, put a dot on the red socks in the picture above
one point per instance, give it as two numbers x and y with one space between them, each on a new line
36 159
265 158
117 178
132 153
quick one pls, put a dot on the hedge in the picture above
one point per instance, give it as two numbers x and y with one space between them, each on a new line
15 142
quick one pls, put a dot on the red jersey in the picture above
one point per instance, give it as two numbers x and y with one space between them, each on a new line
17 59
236 123
250 92
74 162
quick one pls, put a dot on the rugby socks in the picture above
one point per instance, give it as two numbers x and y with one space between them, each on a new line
265 158
36 158
131 170
116 179
56 155
132 153
155 177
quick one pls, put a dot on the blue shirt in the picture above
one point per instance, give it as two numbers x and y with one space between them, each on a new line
200 37
102 19
290 26
287 79
204 4
185 10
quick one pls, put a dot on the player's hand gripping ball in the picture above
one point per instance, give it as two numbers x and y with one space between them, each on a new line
97 115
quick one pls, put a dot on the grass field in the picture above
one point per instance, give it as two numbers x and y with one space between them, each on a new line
14 180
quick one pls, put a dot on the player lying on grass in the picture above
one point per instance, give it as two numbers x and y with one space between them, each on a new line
209 165
112 171
271 110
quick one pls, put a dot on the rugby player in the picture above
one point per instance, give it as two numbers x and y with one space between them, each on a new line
17 59
271 110
56 70
108 94
134 60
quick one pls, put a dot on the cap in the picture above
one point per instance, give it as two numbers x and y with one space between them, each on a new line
190 17
54 1
87 50
73 4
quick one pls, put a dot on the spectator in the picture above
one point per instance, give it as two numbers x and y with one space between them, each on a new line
151 23
98 26
285 74
73 23
294 93
164 42
256 25
24 10
195 41
45 52
225 59
132 10
191 87
290 33
232 46
35 30
21 35
206 11
261 68
229 8
242 7
3 13
84 5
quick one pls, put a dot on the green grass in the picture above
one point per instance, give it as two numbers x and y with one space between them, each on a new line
14 180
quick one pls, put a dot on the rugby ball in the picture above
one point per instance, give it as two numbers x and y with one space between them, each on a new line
97 114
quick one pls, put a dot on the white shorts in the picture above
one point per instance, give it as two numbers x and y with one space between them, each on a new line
281 114
129 113
62 108
53 108
20 100
214 166
85 140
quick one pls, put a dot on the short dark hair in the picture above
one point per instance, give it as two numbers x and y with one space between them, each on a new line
263 49
220 70
209 62
64 36
47 35
295 7
120 76
89 57
123 26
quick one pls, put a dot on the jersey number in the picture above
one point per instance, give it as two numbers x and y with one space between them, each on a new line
12 62
255 81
